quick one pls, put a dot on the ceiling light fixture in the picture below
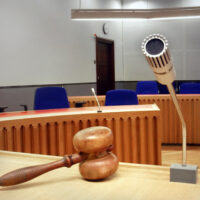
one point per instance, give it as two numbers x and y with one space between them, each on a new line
135 13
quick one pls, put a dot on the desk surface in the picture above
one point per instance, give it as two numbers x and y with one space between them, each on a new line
76 111
131 181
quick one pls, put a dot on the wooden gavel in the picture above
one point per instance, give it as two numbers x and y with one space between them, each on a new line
94 146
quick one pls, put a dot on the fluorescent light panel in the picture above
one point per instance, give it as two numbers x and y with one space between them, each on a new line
134 13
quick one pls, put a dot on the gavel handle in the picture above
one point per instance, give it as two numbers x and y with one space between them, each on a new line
28 173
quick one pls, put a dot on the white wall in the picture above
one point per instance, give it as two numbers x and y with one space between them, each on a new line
183 36
40 44
100 4
143 4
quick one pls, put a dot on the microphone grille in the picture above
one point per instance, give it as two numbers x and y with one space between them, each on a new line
154 45
155 48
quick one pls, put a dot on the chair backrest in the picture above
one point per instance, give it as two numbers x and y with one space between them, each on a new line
190 88
147 87
121 97
50 98
163 88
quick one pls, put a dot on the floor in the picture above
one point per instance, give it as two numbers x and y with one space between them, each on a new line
173 154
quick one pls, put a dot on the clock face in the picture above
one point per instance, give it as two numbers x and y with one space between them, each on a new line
105 29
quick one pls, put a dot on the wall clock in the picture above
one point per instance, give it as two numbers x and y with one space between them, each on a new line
105 29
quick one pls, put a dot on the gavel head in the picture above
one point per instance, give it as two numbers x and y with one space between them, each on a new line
95 142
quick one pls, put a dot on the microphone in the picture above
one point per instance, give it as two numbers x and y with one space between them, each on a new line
155 49
93 91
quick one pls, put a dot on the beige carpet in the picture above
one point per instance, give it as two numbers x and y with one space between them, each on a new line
173 154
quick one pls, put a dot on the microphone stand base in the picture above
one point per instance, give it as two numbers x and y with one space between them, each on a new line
183 173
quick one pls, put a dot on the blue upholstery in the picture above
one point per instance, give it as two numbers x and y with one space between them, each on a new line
121 97
163 88
50 98
190 88
147 87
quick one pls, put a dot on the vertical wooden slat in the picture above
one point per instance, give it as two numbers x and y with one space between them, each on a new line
164 118
151 144
75 129
92 122
69 137
197 127
135 140
170 120
43 138
18 139
177 122
75 126
52 139
179 125
60 136
126 140
117 138
176 127
109 123
84 123
190 120
26 139
157 133
167 122
196 122
171 111
2 139
143 142
10 138
193 120
35 139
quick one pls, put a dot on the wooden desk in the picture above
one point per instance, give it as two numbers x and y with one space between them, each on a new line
136 131
131 181
171 130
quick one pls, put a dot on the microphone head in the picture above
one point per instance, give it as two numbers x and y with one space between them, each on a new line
155 49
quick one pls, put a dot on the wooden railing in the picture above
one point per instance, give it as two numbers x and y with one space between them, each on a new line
171 130
136 131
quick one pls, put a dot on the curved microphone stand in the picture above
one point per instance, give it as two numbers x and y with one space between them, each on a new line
155 49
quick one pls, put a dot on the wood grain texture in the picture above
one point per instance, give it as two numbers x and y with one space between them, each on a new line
51 132
131 181
171 128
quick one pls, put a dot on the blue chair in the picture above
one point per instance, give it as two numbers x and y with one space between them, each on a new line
50 98
147 87
163 88
190 88
121 97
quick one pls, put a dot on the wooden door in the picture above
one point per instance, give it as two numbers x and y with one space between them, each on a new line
105 65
